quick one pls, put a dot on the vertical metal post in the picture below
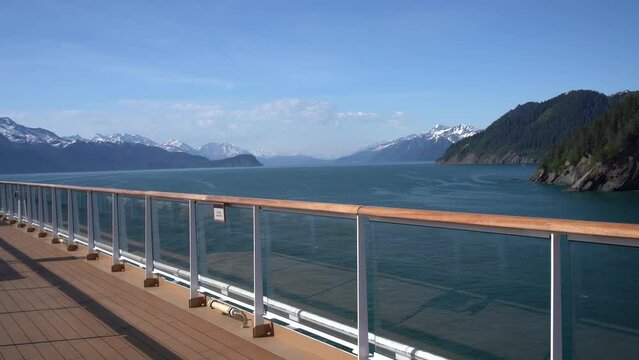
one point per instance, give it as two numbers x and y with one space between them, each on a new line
71 246
92 255
20 205
122 203
41 208
115 235
5 208
258 281
9 199
148 242
362 290
2 199
556 348
12 200
193 250
155 228
260 329
59 207
54 216
202 263
70 222
195 300
28 206
14 205
33 213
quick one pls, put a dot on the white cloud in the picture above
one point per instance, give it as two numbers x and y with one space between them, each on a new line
358 115
289 111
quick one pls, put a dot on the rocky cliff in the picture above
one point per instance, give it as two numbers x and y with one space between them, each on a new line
589 175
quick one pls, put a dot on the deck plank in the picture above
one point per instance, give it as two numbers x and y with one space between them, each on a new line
54 305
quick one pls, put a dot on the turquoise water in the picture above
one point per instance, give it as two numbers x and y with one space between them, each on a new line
453 293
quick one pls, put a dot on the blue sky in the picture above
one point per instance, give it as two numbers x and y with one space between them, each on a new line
318 77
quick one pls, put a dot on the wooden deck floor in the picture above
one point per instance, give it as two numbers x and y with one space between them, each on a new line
56 305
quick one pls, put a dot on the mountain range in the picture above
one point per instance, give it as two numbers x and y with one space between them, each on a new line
426 146
40 150
525 133
211 151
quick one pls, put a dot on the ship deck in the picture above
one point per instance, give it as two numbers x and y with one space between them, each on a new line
54 304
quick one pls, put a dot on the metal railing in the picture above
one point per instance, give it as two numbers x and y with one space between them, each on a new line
28 203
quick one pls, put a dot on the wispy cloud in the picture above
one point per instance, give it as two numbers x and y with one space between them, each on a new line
287 125
358 115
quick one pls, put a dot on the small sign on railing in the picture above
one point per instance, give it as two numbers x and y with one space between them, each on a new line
219 213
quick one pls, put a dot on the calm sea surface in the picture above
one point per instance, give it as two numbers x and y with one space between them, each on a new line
454 293
482 189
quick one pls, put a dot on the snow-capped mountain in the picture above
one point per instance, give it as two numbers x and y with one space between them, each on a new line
216 151
451 133
120 138
426 146
22 134
40 150
175 145
211 151
75 137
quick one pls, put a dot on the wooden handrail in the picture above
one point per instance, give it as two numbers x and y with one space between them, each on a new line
578 227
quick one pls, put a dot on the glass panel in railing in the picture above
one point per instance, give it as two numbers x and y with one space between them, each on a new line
80 214
131 223
46 192
225 249
605 302
459 294
102 219
171 233
309 263
63 213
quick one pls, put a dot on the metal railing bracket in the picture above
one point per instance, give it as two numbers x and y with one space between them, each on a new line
151 282
264 330
117 267
198 301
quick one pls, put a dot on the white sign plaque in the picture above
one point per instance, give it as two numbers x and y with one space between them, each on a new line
219 213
